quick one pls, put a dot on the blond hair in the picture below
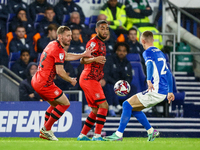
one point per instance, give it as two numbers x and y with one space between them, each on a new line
62 29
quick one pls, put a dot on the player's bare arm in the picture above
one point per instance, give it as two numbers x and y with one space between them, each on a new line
72 56
99 59
63 74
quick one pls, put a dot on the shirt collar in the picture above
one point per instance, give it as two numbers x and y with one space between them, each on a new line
59 43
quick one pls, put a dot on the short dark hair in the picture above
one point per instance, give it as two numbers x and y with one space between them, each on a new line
52 26
20 9
23 51
49 8
20 26
62 29
100 22
134 29
122 44
75 28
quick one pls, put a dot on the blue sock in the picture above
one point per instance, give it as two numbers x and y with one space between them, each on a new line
141 117
126 115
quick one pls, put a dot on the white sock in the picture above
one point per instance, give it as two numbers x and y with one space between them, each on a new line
119 107
81 135
111 107
119 134
86 107
97 135
150 130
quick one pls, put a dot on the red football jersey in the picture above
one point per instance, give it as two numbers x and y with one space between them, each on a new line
94 71
53 54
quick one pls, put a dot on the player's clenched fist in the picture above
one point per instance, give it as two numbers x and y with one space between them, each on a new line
73 81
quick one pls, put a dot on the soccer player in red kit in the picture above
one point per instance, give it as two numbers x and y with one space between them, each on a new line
52 63
89 82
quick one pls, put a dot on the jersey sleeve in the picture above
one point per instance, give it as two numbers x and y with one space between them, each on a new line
149 70
94 44
147 56
59 56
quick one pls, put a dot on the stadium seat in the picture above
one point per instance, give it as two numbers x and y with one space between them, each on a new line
92 25
36 37
65 19
87 21
14 56
122 38
133 57
93 19
39 18
75 63
38 58
9 19
139 78
36 25
10 64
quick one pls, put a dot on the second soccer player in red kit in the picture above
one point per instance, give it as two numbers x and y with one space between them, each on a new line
52 63
89 82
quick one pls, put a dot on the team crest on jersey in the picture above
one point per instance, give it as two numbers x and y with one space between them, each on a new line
97 95
92 44
61 56
56 92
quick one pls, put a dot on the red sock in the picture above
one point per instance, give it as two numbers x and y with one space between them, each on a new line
48 112
100 120
90 121
55 115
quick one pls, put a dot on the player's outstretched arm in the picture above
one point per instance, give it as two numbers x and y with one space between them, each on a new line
73 56
98 59
63 74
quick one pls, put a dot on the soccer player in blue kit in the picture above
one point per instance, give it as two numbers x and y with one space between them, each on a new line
159 81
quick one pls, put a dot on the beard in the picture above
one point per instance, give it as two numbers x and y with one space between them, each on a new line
103 38
65 43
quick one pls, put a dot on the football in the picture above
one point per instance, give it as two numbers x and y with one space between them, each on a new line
122 88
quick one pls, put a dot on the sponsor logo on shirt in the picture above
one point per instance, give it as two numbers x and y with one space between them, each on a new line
97 95
56 92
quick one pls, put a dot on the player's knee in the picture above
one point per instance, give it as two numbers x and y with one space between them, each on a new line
67 104
104 105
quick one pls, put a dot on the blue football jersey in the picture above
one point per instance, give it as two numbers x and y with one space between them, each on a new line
159 78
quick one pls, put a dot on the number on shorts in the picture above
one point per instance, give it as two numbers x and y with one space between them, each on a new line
164 65
45 55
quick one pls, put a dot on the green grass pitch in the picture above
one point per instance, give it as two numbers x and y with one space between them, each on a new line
126 144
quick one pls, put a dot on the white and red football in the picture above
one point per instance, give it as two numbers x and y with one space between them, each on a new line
122 88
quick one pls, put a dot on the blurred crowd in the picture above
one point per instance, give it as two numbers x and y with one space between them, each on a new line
25 30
